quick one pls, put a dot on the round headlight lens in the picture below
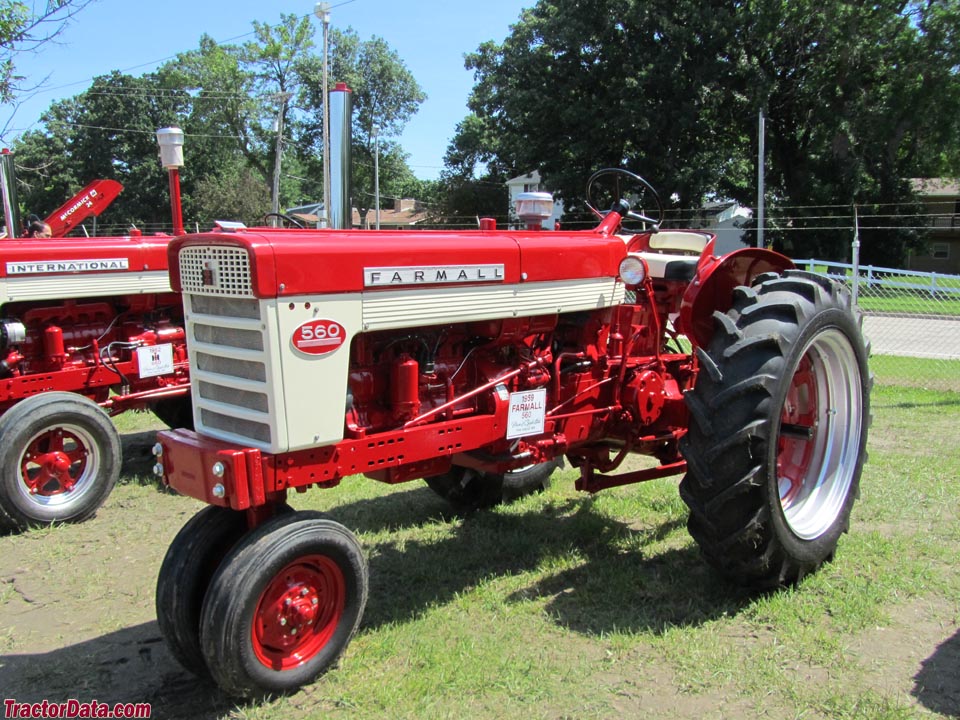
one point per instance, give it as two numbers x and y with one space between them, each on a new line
633 270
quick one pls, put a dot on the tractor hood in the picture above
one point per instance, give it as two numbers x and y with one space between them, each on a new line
298 262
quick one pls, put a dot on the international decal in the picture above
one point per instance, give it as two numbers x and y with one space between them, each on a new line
80 265
431 275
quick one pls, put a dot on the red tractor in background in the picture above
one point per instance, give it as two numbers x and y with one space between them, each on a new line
87 325
460 357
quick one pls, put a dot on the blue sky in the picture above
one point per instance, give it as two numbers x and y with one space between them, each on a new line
431 36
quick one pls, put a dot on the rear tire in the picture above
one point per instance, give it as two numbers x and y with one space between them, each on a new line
469 490
59 460
778 430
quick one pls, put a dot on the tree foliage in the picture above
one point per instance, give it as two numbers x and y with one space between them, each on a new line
227 99
108 131
385 95
24 28
859 98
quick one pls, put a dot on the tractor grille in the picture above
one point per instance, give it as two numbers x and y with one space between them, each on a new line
229 353
215 270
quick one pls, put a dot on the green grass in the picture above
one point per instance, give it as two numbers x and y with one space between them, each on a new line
564 601
910 303
923 373
572 606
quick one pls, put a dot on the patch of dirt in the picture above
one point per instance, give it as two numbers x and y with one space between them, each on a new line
77 615
77 620
917 653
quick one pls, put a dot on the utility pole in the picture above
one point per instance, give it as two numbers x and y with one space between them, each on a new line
278 126
322 11
761 132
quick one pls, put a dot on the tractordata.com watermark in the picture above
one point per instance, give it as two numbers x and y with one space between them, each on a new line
75 709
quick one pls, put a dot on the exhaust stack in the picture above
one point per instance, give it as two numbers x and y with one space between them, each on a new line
8 186
340 214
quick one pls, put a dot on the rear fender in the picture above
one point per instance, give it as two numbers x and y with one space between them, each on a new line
712 287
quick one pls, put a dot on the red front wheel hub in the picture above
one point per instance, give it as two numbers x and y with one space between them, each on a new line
298 612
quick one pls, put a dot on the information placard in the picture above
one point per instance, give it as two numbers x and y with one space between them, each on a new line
528 412
155 360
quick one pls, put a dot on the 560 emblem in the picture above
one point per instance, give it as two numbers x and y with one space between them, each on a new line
319 337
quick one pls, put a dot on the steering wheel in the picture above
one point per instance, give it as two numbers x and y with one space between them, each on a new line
288 219
618 194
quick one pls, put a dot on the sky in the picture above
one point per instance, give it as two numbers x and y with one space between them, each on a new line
134 36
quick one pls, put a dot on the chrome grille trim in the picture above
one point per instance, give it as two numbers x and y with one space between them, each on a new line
215 270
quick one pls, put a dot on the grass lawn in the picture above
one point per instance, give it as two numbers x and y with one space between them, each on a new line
559 606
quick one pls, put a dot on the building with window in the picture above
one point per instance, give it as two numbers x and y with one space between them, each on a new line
941 203
531 182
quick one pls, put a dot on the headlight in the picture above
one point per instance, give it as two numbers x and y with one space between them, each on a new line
633 270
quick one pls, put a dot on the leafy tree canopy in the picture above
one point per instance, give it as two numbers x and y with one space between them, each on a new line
228 99
24 28
859 97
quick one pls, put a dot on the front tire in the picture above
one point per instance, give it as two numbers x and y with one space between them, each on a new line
778 430
188 567
59 460
284 605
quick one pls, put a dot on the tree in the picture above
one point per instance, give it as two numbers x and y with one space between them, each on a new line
24 29
385 95
581 85
108 131
225 98
859 97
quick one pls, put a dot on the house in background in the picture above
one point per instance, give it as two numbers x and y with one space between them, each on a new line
405 215
722 218
941 201
530 182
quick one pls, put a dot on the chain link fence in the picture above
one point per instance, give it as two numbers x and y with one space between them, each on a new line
911 319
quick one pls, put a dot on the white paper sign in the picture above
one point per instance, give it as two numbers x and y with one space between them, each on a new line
528 412
155 360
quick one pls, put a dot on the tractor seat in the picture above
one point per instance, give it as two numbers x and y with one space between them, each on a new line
673 255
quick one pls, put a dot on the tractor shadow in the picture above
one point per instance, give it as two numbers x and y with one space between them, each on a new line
619 583
611 588
130 665
137 457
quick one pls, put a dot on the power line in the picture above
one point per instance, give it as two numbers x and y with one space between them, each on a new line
141 132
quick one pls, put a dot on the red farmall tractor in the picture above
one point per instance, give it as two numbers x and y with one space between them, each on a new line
86 325
463 357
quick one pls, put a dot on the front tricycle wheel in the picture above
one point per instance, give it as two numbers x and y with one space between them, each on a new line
778 430
283 605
